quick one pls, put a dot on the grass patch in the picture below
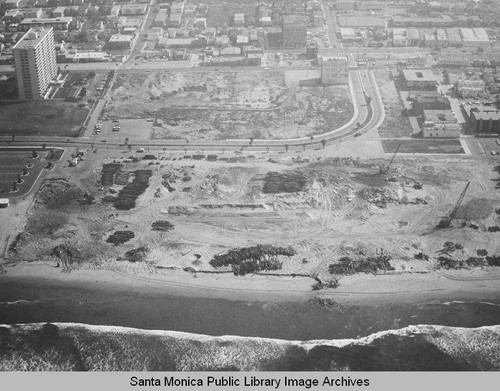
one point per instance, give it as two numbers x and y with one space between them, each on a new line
42 118
436 146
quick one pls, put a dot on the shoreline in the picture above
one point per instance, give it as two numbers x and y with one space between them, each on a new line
357 290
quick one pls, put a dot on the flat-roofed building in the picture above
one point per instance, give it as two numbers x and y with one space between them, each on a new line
61 24
470 88
421 79
239 20
441 38
413 36
174 20
399 37
361 21
430 40
57 13
454 37
33 12
172 43
294 32
474 37
485 121
120 42
347 34
35 62
133 9
441 124
334 70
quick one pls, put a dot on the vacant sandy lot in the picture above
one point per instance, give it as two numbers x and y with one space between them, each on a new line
324 211
394 125
221 105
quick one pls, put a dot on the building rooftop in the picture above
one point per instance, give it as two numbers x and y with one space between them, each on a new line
419 75
486 115
32 38
62 19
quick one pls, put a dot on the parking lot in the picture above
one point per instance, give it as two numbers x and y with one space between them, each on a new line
133 129
490 146
12 164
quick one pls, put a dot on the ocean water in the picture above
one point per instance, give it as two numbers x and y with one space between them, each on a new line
24 302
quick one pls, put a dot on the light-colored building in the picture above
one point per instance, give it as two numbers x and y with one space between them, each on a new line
347 34
474 37
133 9
35 61
334 70
57 13
239 20
399 37
441 124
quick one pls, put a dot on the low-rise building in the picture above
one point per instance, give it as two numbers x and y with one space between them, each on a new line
399 37
62 24
133 9
57 12
334 70
470 89
422 79
485 121
294 32
119 42
347 34
239 20
440 124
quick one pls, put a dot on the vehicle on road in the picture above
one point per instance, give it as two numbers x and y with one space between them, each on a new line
140 150
494 153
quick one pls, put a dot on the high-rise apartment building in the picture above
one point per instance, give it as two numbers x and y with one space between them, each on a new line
35 60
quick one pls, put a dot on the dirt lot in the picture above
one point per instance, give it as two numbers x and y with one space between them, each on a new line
218 105
394 125
184 212
42 118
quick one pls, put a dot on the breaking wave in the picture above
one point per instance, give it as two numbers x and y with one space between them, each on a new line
74 346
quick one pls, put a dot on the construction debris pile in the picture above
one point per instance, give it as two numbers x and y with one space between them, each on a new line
120 237
285 182
162 225
128 195
348 266
252 259
135 255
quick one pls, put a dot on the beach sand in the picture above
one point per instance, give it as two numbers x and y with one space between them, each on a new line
361 289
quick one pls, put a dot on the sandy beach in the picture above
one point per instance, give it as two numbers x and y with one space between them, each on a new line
361 289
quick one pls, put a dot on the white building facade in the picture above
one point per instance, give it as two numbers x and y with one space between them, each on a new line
35 61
